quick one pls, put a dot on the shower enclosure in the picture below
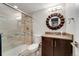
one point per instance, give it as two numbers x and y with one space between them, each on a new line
15 29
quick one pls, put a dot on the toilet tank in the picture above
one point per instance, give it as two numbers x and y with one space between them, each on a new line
36 38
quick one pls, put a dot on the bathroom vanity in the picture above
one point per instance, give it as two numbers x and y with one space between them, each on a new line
57 44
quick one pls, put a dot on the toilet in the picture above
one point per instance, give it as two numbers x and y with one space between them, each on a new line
36 38
33 48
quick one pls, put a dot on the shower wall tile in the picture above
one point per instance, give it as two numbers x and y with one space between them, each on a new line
27 29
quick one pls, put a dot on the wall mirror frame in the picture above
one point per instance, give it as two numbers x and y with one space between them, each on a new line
55 21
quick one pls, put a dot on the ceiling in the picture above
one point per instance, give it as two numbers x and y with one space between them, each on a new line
32 7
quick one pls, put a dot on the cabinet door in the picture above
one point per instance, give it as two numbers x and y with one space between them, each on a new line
47 46
62 47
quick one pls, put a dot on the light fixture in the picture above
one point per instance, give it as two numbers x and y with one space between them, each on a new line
50 9
15 6
56 8
71 19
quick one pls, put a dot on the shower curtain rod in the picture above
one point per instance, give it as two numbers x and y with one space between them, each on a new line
16 9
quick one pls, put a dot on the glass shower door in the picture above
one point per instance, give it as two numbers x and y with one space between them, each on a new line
9 28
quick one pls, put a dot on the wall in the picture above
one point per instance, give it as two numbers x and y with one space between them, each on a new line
70 13
71 10
39 22
26 28
70 24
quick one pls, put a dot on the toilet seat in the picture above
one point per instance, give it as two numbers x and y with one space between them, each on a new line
31 49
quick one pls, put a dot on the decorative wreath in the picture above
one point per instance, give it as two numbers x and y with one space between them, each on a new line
62 21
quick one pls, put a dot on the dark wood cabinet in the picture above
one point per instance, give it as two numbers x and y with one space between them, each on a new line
56 47
47 45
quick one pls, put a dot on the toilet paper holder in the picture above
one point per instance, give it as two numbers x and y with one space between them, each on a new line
75 44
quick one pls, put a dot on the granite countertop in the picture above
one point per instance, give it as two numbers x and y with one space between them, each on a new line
58 36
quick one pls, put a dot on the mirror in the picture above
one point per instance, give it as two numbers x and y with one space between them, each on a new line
55 21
